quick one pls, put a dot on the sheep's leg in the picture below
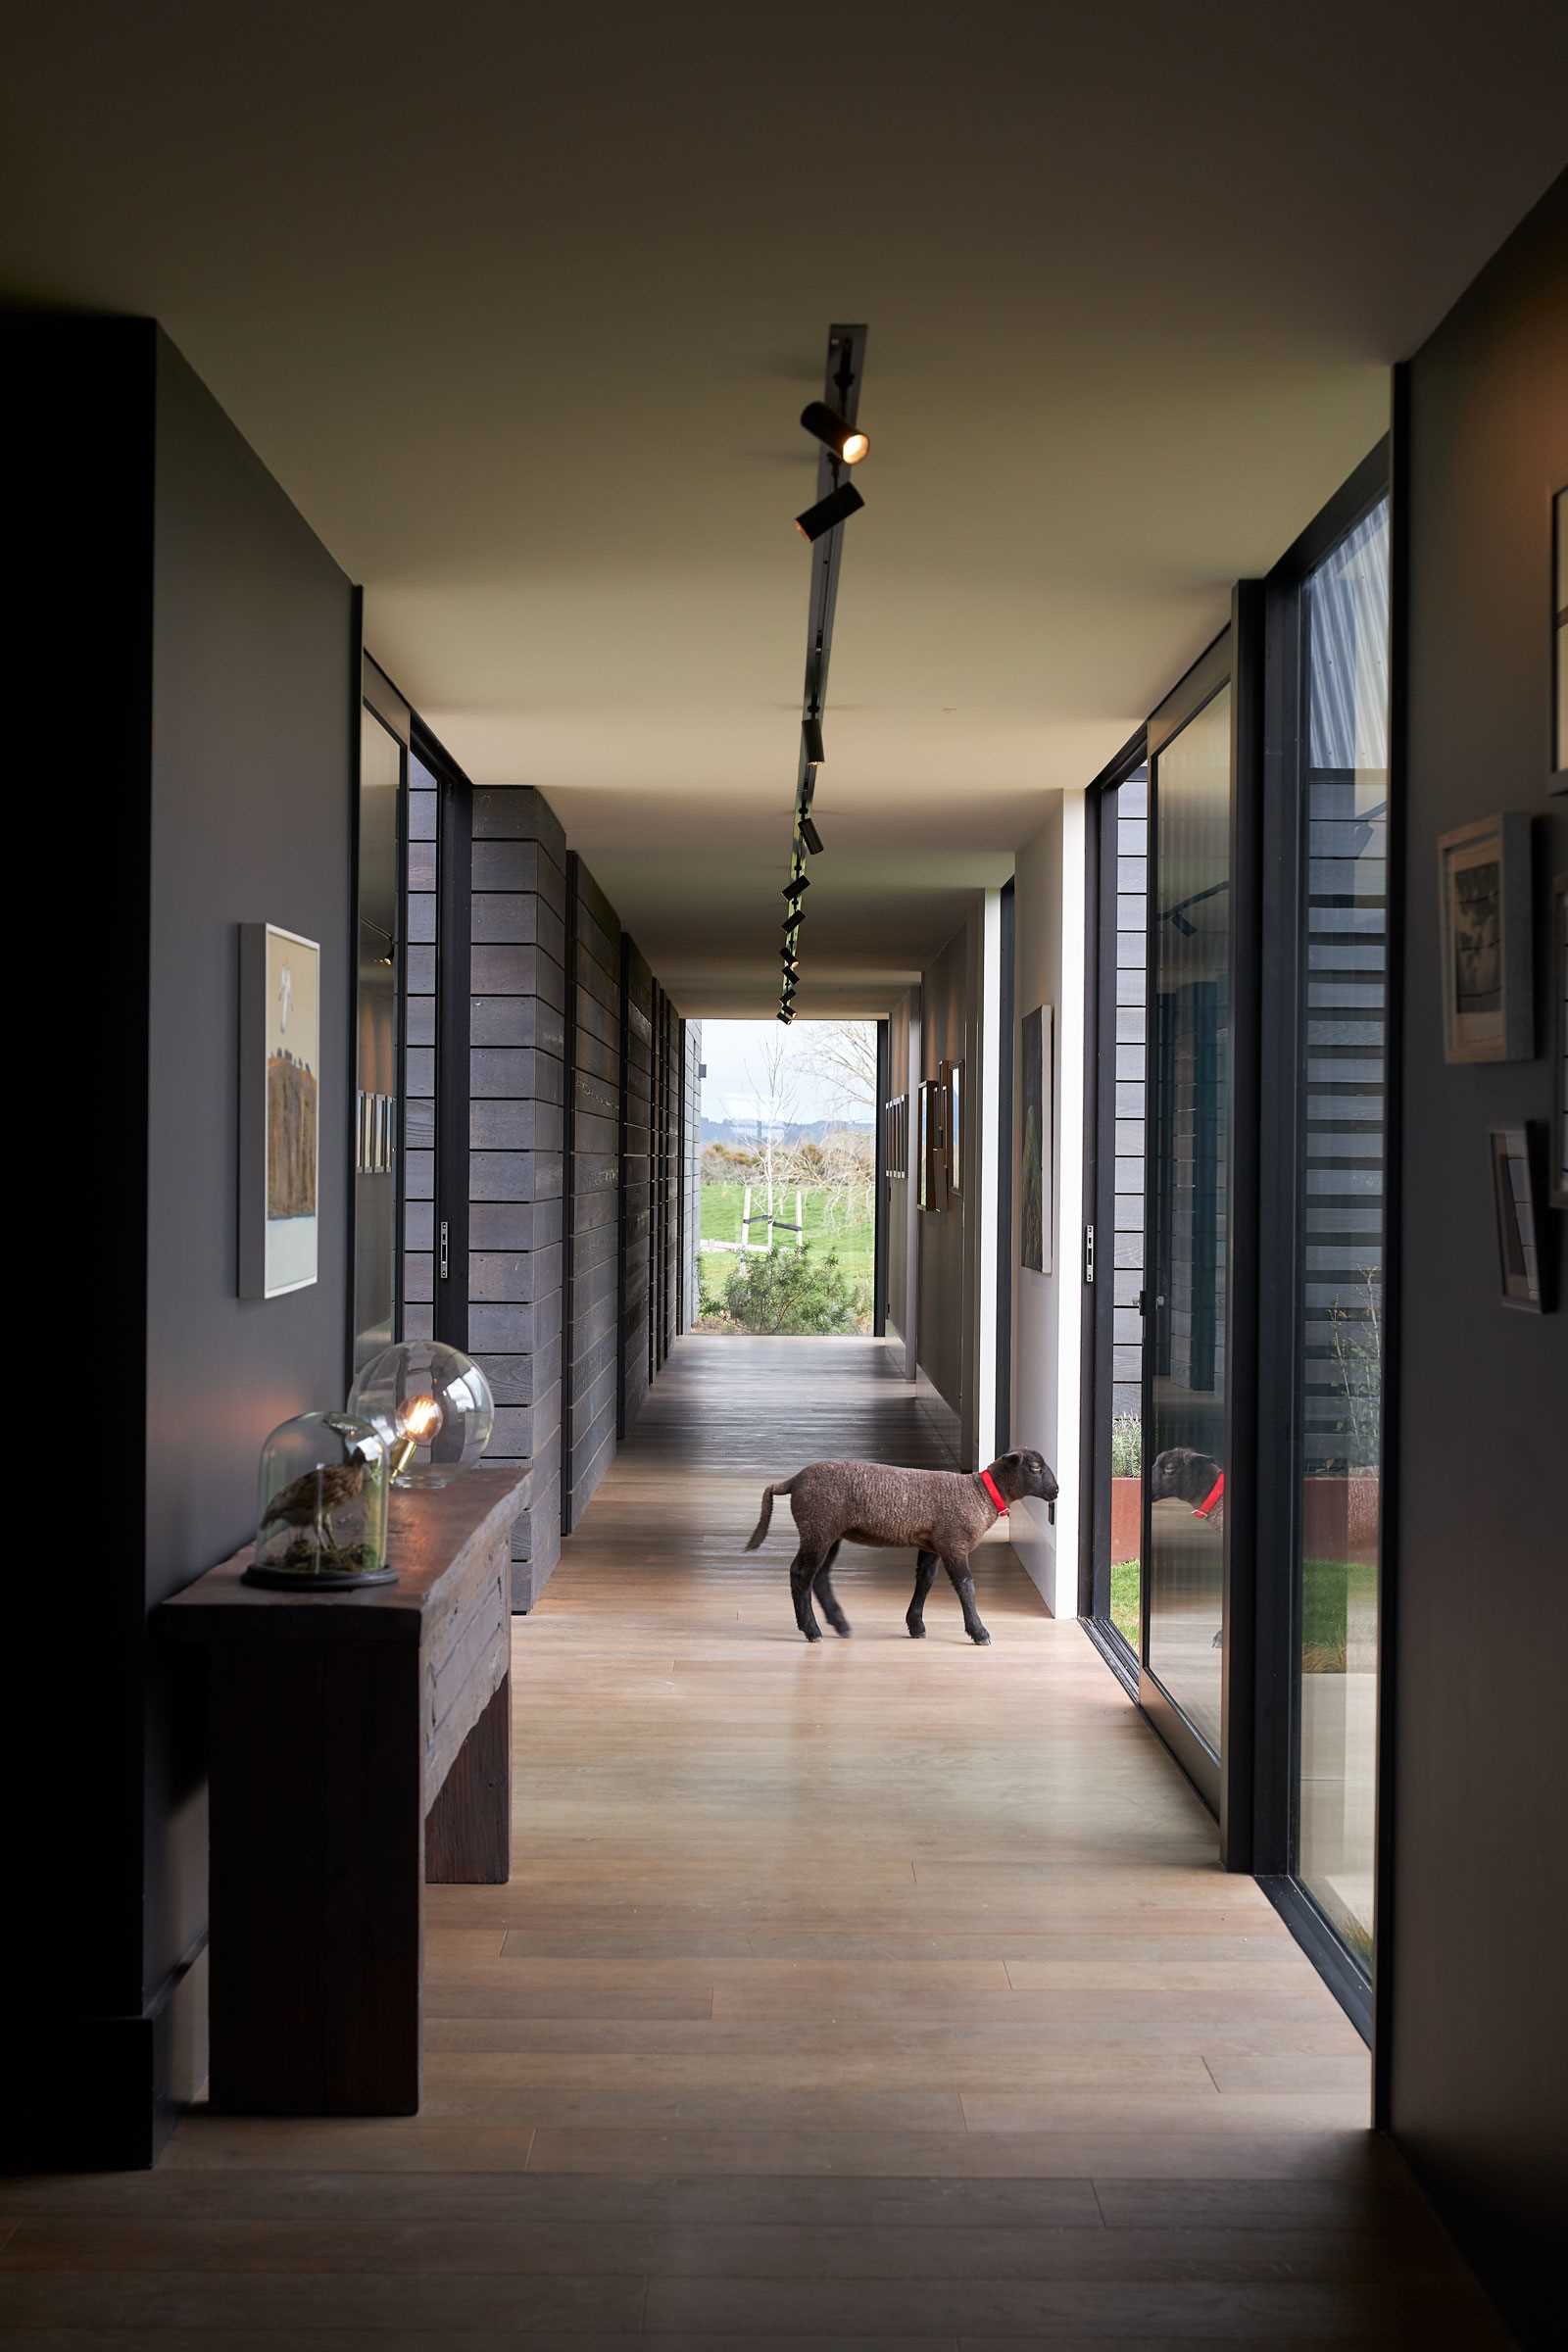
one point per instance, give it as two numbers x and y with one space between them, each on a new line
803 1572
925 1572
964 1586
825 1593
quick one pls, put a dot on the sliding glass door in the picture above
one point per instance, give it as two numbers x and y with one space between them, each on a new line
1186 1203
1186 1191
1342 1064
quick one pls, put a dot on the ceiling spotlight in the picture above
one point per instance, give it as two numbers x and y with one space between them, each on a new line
838 506
811 738
794 887
786 957
810 836
835 432
785 1015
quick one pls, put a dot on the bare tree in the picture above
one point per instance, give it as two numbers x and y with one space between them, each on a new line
841 1055
772 1075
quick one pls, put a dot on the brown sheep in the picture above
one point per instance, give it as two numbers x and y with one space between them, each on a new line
941 1513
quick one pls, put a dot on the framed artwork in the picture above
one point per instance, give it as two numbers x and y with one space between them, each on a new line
954 1124
1559 642
1515 1172
932 1189
896 1123
1036 1041
279 1112
1558 1156
1484 934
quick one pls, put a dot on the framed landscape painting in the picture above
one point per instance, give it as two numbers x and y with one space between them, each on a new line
279 1137
1521 1263
1484 930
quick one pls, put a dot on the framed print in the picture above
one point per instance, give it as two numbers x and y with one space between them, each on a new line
1558 1154
279 1112
954 1126
1484 925
932 1175
1559 642
1036 1038
1515 1167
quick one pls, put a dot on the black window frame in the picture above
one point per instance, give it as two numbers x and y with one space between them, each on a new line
1278 1596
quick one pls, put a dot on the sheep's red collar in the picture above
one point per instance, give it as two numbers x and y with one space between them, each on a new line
1212 1499
995 1492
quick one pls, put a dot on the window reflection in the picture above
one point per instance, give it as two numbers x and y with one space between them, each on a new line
1346 620
1190 1106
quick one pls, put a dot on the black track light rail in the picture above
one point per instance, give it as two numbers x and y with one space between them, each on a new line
841 391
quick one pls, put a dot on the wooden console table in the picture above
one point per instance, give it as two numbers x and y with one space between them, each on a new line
359 1743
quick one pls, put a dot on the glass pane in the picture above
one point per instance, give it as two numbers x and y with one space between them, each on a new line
1346 624
377 1043
1191 1107
1126 828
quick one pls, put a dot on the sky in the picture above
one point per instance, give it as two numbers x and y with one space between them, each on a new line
730 1090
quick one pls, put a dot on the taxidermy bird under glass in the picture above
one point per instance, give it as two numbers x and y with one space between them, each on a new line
321 1523
432 1407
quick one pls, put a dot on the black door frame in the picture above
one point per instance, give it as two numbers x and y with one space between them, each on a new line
1276 1791
1097 1291
389 708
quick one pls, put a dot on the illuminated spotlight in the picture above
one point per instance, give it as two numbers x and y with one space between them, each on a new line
835 432
785 1015
810 836
811 740
838 506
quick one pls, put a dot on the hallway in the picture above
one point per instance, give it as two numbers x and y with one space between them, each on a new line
872 1992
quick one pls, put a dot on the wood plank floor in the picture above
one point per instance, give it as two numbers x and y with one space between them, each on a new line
871 1994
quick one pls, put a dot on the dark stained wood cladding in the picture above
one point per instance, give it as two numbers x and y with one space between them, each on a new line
589 1392
516 1115
664 1183
636 1156
421 919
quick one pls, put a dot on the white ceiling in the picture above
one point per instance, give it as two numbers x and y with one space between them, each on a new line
522 306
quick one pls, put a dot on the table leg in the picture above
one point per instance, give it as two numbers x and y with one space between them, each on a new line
467 1835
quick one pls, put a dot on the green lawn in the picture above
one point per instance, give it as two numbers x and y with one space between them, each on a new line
722 1222
1328 1589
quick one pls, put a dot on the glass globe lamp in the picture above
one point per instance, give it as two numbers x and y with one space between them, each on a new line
433 1407
320 1519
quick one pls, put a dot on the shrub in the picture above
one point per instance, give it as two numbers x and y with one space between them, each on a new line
1126 1445
791 1291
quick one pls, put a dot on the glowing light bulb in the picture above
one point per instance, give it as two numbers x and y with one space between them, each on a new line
419 1421
420 1418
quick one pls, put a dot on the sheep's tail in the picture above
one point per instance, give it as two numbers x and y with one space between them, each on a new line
760 1529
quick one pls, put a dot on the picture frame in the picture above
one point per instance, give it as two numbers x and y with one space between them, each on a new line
1036 1141
1557 1155
955 1125
280 1110
1559 642
1485 943
932 1188
1522 1250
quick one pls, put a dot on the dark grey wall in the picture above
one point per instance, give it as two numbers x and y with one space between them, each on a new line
197 656
254 700
1477 2026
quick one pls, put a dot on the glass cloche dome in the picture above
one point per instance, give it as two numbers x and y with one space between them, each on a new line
433 1409
320 1519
